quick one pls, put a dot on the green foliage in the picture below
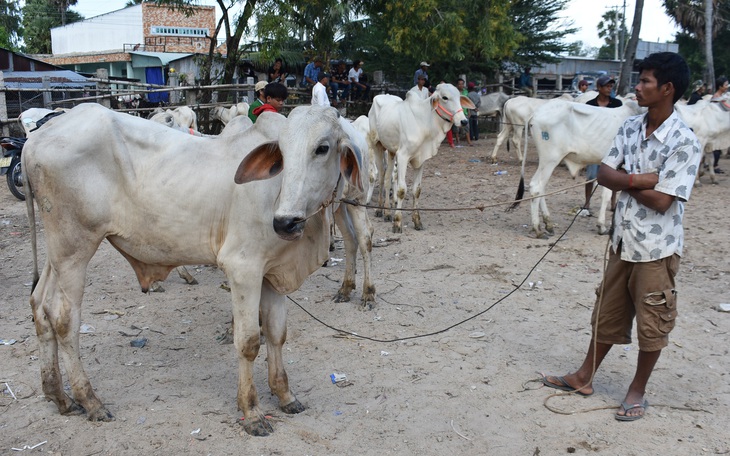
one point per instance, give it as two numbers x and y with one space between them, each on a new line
541 31
39 16
612 29
10 24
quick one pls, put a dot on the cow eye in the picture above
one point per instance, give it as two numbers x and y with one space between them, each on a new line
446 98
323 149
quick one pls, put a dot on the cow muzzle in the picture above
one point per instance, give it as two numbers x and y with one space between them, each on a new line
464 123
289 228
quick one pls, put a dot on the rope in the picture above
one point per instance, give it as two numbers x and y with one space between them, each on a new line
469 208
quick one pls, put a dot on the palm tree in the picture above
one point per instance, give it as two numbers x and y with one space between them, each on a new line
630 51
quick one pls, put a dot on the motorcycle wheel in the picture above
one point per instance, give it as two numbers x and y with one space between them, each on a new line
15 179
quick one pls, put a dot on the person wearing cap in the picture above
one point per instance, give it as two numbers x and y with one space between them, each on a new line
698 90
319 91
583 85
311 72
359 90
475 98
604 84
260 99
421 72
340 81
275 95
420 88
456 128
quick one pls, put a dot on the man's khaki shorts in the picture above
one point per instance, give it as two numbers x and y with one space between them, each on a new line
642 290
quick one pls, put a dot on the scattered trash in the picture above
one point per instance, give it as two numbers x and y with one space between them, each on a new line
111 317
141 420
139 343
10 391
500 173
197 431
338 412
338 377
437 173
27 447
627 348
474 160
86 329
724 307
384 353
7 341
336 260
477 334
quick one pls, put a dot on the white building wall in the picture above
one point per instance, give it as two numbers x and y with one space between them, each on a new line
107 32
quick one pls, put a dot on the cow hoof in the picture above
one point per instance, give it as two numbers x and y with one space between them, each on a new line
366 305
418 226
101 414
602 230
293 407
387 218
397 229
72 409
257 428
342 297
379 213
156 288
192 282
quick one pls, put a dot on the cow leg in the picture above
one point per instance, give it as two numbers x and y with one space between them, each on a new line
503 134
517 132
400 192
60 306
273 313
538 206
605 202
343 221
379 164
416 216
364 237
246 338
387 208
185 275
51 378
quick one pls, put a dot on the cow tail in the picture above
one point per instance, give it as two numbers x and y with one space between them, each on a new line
521 187
30 208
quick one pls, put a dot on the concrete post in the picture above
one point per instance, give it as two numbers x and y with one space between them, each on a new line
47 96
3 107
103 87
172 81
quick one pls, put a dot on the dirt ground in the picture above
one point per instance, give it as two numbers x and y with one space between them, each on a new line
466 389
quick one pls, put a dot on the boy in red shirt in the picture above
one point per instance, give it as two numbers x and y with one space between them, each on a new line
275 94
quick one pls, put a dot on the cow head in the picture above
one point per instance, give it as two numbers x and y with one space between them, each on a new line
313 154
449 103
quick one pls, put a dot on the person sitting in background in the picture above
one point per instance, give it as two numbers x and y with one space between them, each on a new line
275 94
583 85
311 72
475 98
319 91
359 90
260 99
276 72
340 80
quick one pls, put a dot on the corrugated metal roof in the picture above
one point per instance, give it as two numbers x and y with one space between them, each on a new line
34 79
142 59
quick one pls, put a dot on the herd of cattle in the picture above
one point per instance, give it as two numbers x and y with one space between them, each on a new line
258 201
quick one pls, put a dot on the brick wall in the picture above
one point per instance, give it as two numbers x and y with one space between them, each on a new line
153 15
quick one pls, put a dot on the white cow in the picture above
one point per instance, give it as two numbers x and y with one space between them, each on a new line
577 134
183 116
516 114
411 131
138 185
29 117
711 123
353 221
586 96
493 104
226 114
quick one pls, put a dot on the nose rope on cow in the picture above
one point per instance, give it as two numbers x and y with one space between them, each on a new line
439 109
326 203
459 323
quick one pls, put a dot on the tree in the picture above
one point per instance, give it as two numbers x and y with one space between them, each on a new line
63 6
39 16
10 24
611 28
630 52
541 30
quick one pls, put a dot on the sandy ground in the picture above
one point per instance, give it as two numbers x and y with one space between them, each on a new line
468 388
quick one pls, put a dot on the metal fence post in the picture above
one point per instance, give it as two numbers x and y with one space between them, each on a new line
103 73
3 107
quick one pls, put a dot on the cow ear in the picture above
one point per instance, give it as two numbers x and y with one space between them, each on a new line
350 164
467 103
264 162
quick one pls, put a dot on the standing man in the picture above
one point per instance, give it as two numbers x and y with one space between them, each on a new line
475 98
604 99
653 161
698 90
525 83
422 72
420 88
319 91
311 72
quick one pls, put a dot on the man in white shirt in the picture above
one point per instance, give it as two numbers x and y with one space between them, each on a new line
359 90
319 91
420 88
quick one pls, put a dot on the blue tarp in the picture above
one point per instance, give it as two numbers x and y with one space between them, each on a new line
154 76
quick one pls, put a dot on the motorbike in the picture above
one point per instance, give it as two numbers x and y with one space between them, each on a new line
12 149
